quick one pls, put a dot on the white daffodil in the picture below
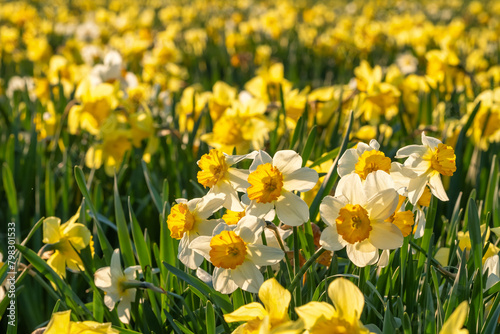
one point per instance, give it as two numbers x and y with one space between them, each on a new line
427 162
363 160
492 265
237 254
188 220
113 280
356 217
272 181
216 173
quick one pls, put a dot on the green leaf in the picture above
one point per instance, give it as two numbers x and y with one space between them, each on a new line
10 191
308 148
123 235
152 190
210 319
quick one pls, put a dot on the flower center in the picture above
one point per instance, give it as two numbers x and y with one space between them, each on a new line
180 220
333 326
353 223
371 161
213 168
233 217
227 131
266 183
443 160
404 220
228 250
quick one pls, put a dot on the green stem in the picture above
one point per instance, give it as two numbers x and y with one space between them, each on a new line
304 268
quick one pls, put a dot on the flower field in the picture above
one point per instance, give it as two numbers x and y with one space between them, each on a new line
270 167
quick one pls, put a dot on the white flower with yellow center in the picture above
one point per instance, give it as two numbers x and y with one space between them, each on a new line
363 160
188 220
112 280
427 162
272 181
216 173
237 254
356 217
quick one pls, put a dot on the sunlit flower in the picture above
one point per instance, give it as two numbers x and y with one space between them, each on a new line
363 160
272 318
60 323
427 162
66 240
188 220
272 181
454 324
237 254
343 317
356 217
113 280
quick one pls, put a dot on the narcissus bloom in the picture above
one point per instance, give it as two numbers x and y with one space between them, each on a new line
321 317
456 320
188 220
363 160
356 217
113 280
427 162
65 240
237 254
60 323
272 181
272 318
216 173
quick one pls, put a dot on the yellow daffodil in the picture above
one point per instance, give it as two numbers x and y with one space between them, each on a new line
60 323
66 240
454 324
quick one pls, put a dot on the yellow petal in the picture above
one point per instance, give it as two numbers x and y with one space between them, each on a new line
347 298
59 323
58 263
276 300
246 313
51 233
91 327
456 321
78 235
312 311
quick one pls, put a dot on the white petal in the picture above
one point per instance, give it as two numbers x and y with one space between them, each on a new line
303 179
430 141
351 187
378 181
260 159
201 245
347 162
186 255
437 188
384 259
130 272
330 239
209 204
102 277
232 201
249 228
223 281
234 159
410 149
383 204
110 300
248 277
262 255
386 236
362 258
416 188
291 209
206 227
116 267
374 144
417 165
238 178
191 204
259 209
329 209
420 219
362 148
123 310
287 161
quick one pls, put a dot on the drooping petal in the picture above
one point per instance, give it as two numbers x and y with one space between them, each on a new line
416 188
110 300
262 255
123 310
58 263
456 320
78 235
303 179
437 188
329 209
291 209
347 299
205 227
248 277
223 281
383 204
246 313
386 235
249 228
312 311
188 256
51 233
234 159
276 300
287 161
330 239
362 258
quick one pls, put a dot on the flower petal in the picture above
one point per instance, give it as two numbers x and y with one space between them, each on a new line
410 149
377 181
238 178
430 141
222 281
437 188
329 209
248 277
232 201
188 256
287 161
303 179
312 311
209 204
258 209
291 209
276 299
350 186
347 298
348 161
260 158
247 312
330 239
383 204
262 255
386 235
416 188
78 235
360 255
51 233
102 278
123 310
116 267
201 245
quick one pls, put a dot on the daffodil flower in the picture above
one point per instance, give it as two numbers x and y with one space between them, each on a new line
492 266
188 220
456 321
272 181
321 317
216 173
272 318
113 281
427 162
363 160
60 323
66 240
237 254
356 217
